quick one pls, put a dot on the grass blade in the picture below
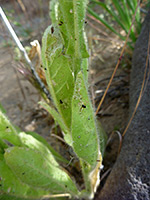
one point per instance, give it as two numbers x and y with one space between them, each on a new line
104 22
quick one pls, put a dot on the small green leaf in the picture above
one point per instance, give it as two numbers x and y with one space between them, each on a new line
41 139
12 188
34 169
32 143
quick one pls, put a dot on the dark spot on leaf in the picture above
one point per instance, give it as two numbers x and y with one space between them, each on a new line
45 68
0 185
83 106
7 127
75 39
52 29
66 186
61 102
23 173
85 22
87 70
60 23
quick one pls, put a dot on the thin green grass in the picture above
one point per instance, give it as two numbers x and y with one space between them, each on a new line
122 13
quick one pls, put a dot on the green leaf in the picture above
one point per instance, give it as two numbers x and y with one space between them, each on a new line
52 44
34 169
12 188
84 133
72 16
32 143
8 131
42 140
85 136
58 73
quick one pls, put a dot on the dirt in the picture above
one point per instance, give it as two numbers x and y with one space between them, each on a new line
20 98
